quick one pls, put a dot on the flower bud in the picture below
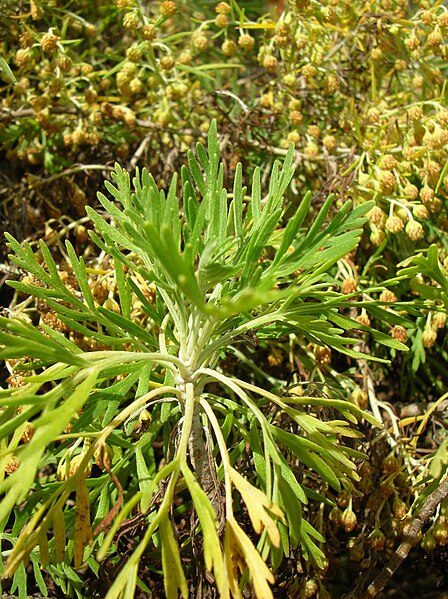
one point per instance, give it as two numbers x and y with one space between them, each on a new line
440 531
348 520
429 336
377 540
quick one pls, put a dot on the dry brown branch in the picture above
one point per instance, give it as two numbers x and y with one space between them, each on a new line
409 540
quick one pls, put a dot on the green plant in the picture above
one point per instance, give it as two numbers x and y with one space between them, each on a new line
133 349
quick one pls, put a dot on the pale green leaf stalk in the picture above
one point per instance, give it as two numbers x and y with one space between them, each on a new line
190 273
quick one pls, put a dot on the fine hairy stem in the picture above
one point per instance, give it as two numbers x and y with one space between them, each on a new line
409 540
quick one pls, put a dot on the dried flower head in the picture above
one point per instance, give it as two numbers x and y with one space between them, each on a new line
398 332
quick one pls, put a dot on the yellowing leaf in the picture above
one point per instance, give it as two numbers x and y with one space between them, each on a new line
233 561
59 533
237 546
43 548
212 548
21 551
174 578
83 530
257 503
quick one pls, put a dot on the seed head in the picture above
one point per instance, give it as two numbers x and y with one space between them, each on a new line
348 520
434 39
431 169
442 20
25 39
373 115
426 194
322 354
399 333
329 142
394 225
439 320
360 398
332 84
134 54
349 285
295 117
281 41
222 8
149 32
12 465
167 63
313 131
200 42
388 296
440 532
301 41
270 63
388 162
24 57
415 113
222 21
429 336
427 17
412 42
419 211
377 540
428 543
168 8
386 182
442 117
390 464
293 137
131 20
411 191
376 216
49 43
289 80
308 71
185 57
75 462
363 319
311 588
229 48
246 41
399 508
414 230
311 150
275 358
135 85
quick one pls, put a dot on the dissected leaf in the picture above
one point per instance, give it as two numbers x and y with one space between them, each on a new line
240 552
258 506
